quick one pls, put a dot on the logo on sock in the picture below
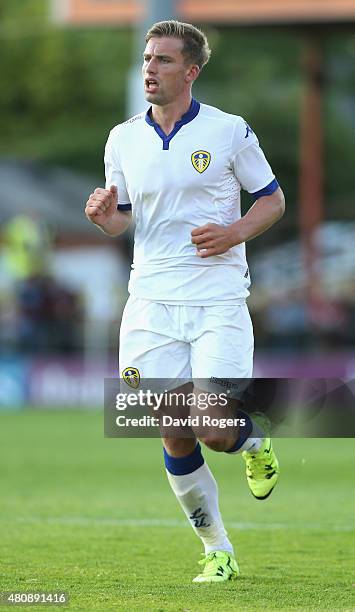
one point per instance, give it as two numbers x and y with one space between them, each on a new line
198 517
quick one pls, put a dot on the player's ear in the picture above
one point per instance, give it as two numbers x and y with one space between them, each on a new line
192 73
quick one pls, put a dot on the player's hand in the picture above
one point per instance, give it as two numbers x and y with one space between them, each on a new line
213 239
102 205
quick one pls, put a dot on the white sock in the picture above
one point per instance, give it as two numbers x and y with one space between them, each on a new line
253 442
197 493
251 445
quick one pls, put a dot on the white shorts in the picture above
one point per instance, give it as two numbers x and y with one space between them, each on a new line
190 343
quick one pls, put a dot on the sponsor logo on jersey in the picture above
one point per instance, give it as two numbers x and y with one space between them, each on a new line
133 119
248 129
201 160
132 377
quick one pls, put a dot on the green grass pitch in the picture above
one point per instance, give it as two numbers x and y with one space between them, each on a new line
96 517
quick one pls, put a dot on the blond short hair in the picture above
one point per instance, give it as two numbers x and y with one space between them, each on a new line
196 49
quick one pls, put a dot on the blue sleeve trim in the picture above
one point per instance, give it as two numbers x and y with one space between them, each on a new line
179 466
267 191
124 207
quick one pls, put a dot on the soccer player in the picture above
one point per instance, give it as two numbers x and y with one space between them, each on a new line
178 171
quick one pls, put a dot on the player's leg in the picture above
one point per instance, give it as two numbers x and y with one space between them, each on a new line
195 488
197 491
221 357
217 418
149 344
145 346
222 363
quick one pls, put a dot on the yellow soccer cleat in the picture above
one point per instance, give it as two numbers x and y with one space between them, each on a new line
262 469
220 566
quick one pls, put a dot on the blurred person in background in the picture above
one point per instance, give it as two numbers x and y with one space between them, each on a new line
44 315
26 246
182 166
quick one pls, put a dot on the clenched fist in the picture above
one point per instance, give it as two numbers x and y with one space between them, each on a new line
213 239
102 205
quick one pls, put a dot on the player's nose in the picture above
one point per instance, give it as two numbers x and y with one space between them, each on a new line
151 67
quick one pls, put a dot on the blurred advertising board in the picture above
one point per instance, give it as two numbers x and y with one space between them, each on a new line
61 382
14 376
52 382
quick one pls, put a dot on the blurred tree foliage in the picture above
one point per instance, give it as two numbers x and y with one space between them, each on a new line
63 89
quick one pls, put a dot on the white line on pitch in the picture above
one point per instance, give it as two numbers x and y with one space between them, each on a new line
102 522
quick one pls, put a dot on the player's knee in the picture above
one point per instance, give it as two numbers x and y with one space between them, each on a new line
216 443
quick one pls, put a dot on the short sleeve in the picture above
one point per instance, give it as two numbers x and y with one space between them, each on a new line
249 163
114 174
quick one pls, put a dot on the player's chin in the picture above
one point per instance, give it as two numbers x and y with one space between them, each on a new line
155 98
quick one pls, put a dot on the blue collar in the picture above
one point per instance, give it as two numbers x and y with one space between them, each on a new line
189 116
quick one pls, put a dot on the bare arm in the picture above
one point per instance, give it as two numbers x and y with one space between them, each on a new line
266 211
101 210
117 224
212 239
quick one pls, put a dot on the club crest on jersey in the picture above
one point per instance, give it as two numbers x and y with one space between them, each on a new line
201 160
132 377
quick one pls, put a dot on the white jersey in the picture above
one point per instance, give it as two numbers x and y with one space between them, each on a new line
177 183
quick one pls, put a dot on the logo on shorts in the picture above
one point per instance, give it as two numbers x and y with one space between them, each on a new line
224 382
201 160
132 377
